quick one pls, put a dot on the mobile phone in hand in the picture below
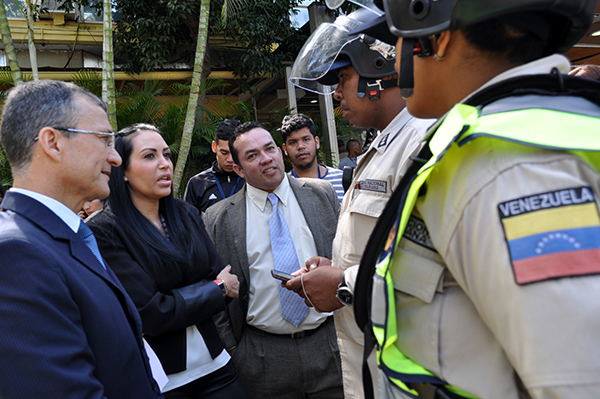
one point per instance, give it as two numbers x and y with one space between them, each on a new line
285 277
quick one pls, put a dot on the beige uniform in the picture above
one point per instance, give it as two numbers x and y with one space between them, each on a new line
461 312
378 172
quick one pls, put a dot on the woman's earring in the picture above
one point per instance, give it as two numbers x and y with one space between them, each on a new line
438 58
126 179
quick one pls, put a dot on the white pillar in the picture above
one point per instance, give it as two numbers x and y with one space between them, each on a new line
291 92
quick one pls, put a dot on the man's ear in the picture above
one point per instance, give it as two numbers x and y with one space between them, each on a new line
318 142
284 149
214 147
238 169
52 142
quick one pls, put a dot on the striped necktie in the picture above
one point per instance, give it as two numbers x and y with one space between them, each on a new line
293 308
85 233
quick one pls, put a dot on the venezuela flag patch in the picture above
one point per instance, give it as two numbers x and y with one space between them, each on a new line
552 235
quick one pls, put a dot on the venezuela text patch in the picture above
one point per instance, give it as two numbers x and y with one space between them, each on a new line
552 235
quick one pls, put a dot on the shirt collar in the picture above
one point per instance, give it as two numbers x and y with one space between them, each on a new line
259 197
216 169
70 218
537 67
391 130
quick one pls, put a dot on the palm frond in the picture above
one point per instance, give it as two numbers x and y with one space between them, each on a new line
231 8
88 79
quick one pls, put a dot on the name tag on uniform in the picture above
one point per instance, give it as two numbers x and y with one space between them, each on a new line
552 235
378 186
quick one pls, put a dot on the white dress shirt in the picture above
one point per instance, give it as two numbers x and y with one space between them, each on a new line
70 218
264 311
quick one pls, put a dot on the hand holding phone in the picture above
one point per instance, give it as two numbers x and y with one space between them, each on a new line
285 277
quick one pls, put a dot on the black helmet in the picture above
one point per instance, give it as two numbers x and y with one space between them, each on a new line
567 20
332 47
559 23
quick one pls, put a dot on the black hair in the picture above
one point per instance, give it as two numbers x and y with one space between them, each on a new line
225 129
175 254
505 41
349 144
293 123
241 129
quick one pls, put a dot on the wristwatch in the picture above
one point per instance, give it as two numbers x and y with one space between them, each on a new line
222 286
343 293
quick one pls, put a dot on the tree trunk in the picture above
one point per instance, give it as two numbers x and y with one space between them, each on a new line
9 48
188 128
30 40
108 66
202 95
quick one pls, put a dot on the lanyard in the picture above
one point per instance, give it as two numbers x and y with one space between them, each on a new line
221 188
318 169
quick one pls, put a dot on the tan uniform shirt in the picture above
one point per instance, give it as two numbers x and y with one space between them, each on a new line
378 172
460 311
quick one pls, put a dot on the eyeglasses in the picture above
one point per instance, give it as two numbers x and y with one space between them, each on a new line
110 136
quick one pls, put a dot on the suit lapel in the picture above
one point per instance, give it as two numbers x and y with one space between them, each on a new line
310 206
236 215
45 219
48 221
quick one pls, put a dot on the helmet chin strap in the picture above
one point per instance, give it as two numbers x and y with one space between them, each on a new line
373 88
421 47
406 78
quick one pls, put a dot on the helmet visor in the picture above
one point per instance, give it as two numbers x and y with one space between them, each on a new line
319 53
368 4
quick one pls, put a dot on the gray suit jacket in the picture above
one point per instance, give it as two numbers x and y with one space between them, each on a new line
226 224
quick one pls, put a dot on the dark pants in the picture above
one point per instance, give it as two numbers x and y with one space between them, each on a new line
220 384
281 367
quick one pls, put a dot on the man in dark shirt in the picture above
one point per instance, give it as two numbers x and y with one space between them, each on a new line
354 150
219 181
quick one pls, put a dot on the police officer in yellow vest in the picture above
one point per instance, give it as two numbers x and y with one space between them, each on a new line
482 277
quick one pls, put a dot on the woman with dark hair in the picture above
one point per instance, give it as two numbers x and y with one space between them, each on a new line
159 249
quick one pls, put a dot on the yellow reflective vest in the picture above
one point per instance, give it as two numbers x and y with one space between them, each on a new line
542 127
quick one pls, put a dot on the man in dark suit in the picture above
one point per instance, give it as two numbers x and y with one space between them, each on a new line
282 350
68 328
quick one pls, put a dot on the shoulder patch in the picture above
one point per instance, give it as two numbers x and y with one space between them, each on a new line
417 232
552 235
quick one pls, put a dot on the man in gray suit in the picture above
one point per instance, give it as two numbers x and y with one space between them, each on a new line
283 349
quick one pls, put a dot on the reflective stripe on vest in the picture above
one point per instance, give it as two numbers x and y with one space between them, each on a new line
542 128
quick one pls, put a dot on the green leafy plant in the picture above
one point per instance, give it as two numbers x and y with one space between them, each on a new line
143 104
88 79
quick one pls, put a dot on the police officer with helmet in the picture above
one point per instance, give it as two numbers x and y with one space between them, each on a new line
481 278
360 71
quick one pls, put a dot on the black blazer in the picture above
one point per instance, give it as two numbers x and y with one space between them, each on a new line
67 327
164 310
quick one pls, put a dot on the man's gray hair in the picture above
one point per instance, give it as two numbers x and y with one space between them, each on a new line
32 106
